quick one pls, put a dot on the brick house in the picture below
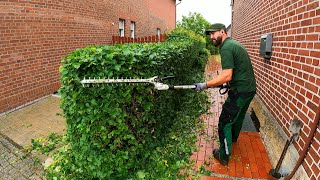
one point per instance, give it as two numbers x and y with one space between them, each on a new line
288 83
36 35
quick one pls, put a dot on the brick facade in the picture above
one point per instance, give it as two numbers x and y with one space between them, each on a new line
289 83
35 35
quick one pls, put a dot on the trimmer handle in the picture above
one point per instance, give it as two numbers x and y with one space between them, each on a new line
223 89
183 87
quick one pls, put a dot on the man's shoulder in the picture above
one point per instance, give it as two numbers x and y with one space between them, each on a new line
228 42
232 44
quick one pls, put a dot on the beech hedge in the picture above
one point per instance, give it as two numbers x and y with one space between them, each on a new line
131 131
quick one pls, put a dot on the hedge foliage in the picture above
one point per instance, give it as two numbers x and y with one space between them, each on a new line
133 131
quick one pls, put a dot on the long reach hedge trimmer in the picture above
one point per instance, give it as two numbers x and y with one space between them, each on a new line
154 81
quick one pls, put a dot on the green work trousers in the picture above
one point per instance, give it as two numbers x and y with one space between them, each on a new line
231 119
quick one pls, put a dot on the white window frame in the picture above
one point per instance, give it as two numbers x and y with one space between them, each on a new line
132 29
121 27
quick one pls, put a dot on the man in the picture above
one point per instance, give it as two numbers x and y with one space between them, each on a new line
237 70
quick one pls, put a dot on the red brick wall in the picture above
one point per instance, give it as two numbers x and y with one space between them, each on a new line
35 35
288 83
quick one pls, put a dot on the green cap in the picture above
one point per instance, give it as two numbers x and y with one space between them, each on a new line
216 27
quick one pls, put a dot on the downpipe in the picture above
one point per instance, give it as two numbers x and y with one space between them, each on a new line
294 128
305 150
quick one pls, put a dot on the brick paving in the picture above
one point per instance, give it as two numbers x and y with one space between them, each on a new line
14 164
248 160
16 131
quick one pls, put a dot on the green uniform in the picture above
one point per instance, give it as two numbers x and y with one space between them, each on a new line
234 56
242 90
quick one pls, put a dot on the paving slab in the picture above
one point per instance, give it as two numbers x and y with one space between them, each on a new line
18 128
36 120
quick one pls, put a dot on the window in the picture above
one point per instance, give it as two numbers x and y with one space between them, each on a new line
158 32
132 26
121 27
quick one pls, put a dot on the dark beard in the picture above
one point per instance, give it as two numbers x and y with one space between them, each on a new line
218 41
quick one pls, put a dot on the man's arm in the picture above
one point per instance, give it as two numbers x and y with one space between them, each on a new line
224 77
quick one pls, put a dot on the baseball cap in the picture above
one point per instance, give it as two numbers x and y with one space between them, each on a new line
216 27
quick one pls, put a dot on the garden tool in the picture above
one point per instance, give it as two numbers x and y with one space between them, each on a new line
294 128
154 81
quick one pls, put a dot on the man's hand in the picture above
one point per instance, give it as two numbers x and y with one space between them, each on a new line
201 86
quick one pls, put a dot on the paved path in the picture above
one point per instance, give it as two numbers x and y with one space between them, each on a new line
13 163
36 120
16 131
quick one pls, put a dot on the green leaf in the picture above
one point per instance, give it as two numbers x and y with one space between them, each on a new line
117 67
76 65
141 175
147 106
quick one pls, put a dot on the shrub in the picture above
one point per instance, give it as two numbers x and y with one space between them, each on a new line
134 131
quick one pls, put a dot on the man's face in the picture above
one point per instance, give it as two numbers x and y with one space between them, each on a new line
216 38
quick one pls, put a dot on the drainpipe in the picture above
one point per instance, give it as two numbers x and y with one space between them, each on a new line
307 146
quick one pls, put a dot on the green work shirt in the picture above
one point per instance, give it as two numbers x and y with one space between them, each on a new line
235 56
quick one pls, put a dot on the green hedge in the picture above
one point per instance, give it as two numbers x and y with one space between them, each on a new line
133 131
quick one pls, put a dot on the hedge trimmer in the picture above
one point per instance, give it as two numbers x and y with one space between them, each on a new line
154 81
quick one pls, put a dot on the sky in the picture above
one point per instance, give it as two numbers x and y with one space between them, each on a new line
214 11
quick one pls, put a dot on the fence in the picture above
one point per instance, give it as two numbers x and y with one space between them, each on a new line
122 40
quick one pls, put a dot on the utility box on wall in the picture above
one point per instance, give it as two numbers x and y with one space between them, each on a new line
266 45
